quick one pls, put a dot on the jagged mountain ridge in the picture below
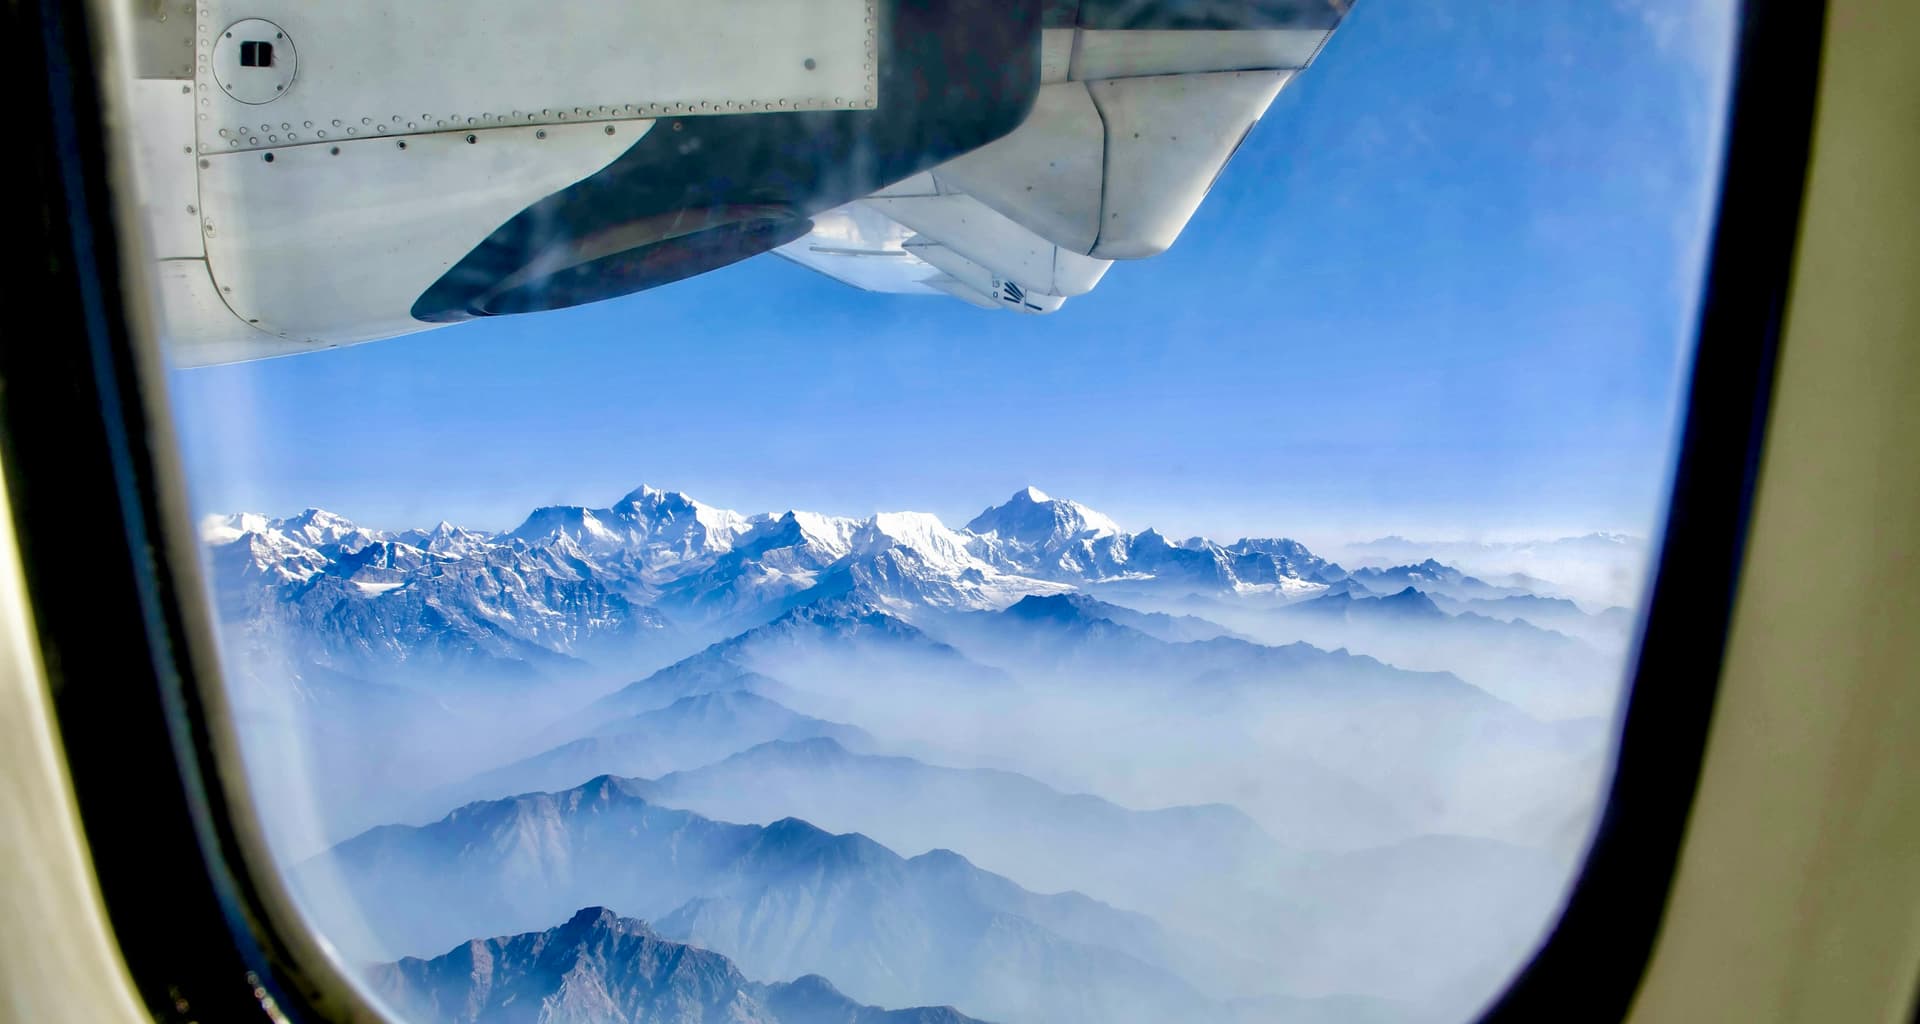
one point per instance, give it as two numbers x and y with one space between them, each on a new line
573 586
1059 539
576 593
572 583
1047 840
598 966
779 900
698 729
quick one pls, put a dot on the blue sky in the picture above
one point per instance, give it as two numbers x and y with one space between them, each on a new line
1446 288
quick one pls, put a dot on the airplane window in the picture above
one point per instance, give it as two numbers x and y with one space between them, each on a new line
876 510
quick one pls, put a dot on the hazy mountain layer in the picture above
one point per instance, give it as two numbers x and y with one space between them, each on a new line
1180 864
598 967
780 900
692 731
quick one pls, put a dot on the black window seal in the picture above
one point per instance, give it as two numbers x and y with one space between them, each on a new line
192 927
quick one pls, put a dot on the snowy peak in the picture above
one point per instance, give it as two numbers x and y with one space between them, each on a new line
910 560
830 533
646 493
816 539
217 529
312 528
1151 537
921 533
589 584
659 527
445 539
317 527
1053 539
575 522
1031 517
292 549
662 509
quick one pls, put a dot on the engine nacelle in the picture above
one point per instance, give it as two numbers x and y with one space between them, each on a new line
321 175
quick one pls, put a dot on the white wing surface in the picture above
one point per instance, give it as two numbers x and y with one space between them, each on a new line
1128 133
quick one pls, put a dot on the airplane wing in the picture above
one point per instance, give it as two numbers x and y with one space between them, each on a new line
1128 132
304 190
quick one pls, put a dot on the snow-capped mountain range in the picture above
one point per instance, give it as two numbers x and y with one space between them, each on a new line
665 536
573 583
